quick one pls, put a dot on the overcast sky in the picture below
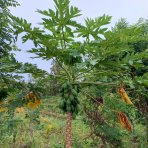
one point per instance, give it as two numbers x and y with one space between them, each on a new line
132 10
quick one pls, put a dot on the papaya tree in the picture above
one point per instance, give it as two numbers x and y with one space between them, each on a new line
83 52
57 41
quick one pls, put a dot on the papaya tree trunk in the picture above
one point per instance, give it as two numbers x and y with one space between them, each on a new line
147 128
68 130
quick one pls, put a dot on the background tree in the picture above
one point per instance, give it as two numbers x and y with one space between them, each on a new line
11 83
9 66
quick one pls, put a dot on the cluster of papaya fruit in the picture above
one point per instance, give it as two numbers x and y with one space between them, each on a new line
69 101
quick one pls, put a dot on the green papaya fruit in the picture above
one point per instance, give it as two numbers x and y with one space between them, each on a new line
68 102
64 86
68 84
76 109
65 91
68 108
76 87
74 92
62 94
74 115
71 98
62 103
72 108
74 102
77 101
66 96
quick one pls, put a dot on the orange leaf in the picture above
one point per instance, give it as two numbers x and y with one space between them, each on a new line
124 95
34 105
124 122
20 109
121 123
2 109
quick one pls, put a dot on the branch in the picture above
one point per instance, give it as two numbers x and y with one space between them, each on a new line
85 93
97 83
63 37
63 68
79 74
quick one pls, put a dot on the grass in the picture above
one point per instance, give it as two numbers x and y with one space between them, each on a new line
45 128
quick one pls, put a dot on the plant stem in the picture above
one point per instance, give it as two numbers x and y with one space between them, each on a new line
63 36
64 68
97 83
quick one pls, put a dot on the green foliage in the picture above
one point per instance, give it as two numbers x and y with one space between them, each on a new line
116 57
6 31
7 38
3 94
8 64
93 28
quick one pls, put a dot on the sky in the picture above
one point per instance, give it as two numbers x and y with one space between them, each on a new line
132 10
